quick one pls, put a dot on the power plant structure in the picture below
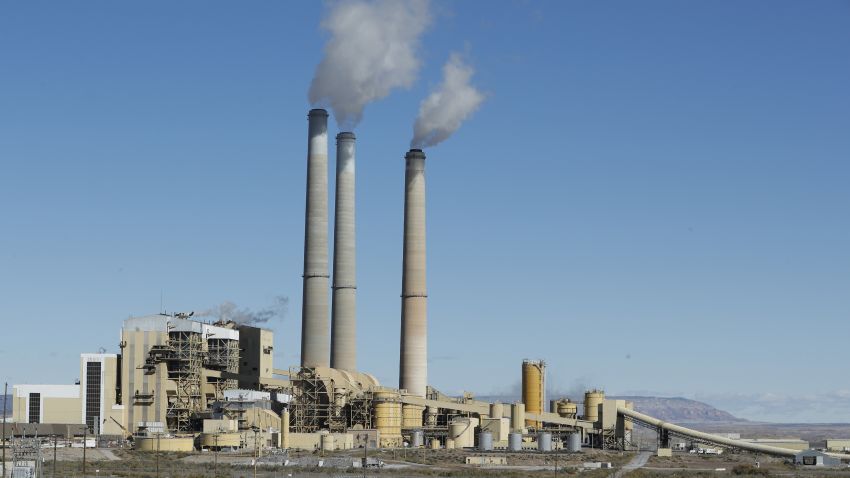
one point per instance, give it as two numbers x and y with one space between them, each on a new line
193 384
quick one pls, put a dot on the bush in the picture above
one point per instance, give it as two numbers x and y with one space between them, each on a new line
749 470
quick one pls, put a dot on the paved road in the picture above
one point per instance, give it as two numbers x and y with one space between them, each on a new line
637 462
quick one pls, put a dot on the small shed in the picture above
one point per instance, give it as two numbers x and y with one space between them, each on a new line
815 458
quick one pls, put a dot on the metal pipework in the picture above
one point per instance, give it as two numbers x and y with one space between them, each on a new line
314 308
344 300
413 365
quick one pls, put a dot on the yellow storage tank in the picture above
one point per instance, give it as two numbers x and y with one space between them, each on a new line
152 443
388 417
533 388
220 440
462 432
592 400
411 416
566 408
497 410
517 417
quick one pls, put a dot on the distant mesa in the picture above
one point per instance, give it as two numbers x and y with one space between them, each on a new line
680 410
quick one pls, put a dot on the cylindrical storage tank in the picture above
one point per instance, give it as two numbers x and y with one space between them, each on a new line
327 442
517 416
284 429
533 373
567 409
553 406
411 416
592 400
450 444
515 441
461 432
152 443
416 438
388 417
574 442
544 441
497 410
485 441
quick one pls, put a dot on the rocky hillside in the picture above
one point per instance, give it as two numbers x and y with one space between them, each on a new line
680 410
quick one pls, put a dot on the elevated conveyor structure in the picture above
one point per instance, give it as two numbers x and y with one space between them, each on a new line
647 420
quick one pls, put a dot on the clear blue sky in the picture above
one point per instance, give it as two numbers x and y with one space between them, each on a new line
653 198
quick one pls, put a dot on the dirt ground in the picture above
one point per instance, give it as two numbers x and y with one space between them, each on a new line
412 463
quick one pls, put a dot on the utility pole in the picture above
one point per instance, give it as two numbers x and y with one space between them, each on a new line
215 462
3 441
54 455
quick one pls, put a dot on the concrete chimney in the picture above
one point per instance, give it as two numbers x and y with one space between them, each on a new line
314 308
344 305
413 370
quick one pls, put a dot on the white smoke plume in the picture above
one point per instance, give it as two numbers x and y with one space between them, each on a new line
228 311
372 50
443 111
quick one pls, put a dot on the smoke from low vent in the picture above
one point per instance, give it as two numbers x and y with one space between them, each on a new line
228 311
372 50
443 111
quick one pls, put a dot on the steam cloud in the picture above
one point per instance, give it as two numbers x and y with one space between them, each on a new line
372 50
443 111
228 311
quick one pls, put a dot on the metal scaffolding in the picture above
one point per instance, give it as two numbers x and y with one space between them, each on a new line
222 355
184 358
311 401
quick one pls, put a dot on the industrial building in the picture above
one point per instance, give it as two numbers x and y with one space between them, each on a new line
182 383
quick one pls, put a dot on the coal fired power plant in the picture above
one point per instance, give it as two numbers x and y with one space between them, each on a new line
179 383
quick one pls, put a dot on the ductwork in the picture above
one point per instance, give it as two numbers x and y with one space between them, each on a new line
344 304
413 370
314 309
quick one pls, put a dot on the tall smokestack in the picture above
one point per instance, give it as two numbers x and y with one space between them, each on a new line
344 311
314 309
413 371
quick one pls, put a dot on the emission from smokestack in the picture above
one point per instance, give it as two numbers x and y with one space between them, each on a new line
344 305
314 309
413 370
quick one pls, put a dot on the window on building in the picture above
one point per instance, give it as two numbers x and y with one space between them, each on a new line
35 408
810 460
93 396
